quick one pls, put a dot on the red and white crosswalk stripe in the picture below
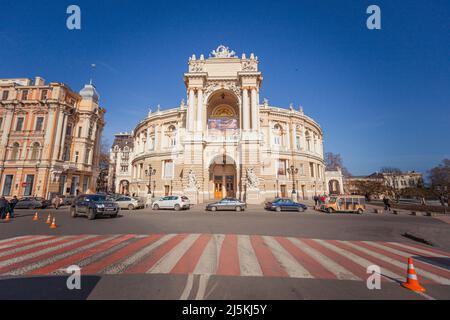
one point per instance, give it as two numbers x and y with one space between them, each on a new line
219 254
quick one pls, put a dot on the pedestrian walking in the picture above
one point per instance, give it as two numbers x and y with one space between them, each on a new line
387 204
11 205
57 202
3 207
316 200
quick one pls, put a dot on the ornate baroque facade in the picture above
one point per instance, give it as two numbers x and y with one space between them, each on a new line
50 138
224 142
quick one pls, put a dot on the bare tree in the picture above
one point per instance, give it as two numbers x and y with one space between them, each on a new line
334 161
102 179
370 188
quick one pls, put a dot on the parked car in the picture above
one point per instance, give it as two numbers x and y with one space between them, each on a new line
172 202
227 204
93 205
129 203
282 204
32 203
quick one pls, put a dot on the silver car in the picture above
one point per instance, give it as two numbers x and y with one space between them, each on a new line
129 203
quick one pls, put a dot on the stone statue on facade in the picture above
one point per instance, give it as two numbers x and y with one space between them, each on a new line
252 179
223 52
192 181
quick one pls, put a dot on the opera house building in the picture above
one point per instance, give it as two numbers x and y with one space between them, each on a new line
222 140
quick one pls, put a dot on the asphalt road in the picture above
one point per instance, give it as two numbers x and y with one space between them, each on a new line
252 225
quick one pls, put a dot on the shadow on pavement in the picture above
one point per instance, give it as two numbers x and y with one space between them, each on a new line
45 288
441 262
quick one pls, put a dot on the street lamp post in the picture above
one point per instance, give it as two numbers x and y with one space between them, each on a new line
150 172
293 171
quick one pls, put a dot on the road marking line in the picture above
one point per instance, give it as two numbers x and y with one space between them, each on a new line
398 264
188 288
400 255
229 257
202 285
269 264
189 260
67 252
208 261
286 260
73 259
28 248
427 251
342 260
310 264
155 255
18 241
356 258
340 272
249 264
23 262
170 259
124 258
64 242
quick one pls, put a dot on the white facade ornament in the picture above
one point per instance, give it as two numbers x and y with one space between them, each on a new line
149 111
223 52
266 103
192 181
216 85
158 109
249 65
196 66
252 179
182 104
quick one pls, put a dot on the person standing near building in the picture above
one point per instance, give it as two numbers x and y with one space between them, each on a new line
3 207
12 205
387 205
316 201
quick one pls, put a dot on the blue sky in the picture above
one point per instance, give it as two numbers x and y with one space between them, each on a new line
382 97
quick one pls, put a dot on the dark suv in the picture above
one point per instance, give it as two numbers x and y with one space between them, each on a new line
92 205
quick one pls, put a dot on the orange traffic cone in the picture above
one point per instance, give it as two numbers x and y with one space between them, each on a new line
49 219
412 283
35 218
7 217
53 225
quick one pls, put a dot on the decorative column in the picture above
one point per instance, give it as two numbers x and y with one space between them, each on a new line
246 111
191 111
63 138
254 110
200 110
58 135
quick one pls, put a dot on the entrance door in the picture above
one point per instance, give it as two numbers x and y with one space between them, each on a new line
166 190
283 190
218 185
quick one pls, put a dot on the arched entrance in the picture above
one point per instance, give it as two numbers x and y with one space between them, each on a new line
223 116
222 176
333 187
